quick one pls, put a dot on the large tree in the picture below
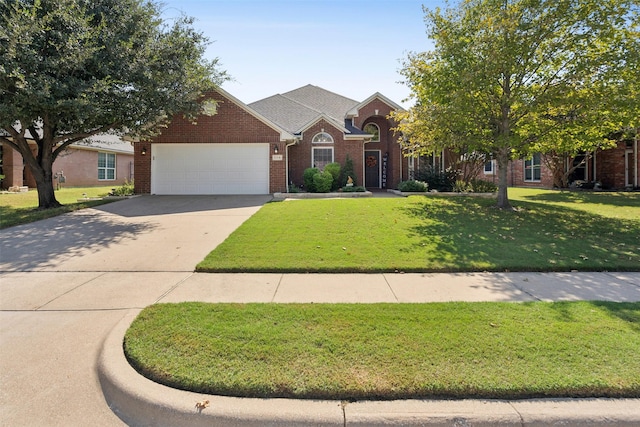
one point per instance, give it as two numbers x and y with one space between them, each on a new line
508 77
71 69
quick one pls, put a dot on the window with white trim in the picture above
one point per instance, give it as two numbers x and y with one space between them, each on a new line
490 167
106 166
322 138
321 157
532 168
373 129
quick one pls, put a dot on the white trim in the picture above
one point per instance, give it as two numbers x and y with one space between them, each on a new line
493 167
106 167
322 147
354 111
322 142
327 119
524 169
635 155
628 172
377 127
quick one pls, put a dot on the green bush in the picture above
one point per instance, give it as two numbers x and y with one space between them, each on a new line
462 187
293 188
482 186
334 170
475 186
322 182
348 171
307 177
413 186
353 189
125 189
436 179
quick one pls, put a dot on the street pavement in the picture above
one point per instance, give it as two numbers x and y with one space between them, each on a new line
70 286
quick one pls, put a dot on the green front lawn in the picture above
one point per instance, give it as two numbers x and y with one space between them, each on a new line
21 208
391 351
550 231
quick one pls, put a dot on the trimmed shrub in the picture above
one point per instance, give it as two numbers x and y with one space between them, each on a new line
475 186
125 189
307 177
482 186
462 187
347 171
353 189
413 186
322 182
293 188
437 180
334 170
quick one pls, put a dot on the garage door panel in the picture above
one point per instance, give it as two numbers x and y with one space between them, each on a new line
210 169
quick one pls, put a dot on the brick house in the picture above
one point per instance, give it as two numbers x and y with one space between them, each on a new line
613 168
101 160
263 147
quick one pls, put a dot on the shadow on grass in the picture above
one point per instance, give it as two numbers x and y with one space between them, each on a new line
43 244
627 312
604 198
10 216
471 234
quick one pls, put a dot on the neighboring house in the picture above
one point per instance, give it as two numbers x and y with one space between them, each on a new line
263 147
613 168
101 160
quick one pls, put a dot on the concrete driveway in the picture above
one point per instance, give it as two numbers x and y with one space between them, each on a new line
147 233
66 282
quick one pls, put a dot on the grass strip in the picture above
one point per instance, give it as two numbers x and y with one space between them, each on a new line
423 234
391 351
22 208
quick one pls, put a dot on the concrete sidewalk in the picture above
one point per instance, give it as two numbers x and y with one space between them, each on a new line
94 304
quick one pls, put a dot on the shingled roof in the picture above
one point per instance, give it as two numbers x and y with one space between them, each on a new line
296 109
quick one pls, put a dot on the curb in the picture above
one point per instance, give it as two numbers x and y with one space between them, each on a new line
142 402
348 195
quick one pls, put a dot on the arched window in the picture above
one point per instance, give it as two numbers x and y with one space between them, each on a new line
373 129
322 138
321 156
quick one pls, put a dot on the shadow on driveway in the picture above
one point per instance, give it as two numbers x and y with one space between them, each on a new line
44 244
147 233
167 205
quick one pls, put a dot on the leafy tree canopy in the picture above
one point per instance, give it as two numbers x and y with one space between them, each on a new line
73 68
512 77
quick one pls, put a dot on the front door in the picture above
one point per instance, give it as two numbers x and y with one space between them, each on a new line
372 169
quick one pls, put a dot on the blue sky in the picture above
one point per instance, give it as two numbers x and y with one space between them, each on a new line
351 47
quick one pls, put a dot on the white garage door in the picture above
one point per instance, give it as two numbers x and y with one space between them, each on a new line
210 169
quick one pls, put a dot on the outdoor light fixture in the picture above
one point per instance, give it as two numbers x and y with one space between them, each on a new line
275 148
144 151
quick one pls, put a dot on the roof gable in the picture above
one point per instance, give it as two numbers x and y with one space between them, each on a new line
284 133
299 109
287 113
354 111
105 142
322 100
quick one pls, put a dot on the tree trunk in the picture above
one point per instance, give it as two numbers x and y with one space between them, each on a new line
503 163
46 195
41 167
